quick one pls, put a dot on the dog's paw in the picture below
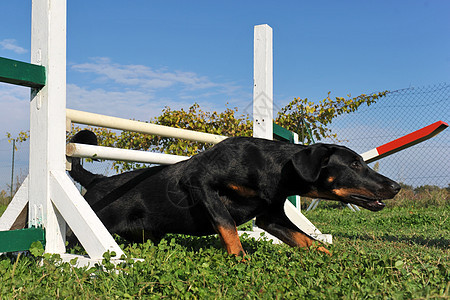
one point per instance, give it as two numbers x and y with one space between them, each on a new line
324 250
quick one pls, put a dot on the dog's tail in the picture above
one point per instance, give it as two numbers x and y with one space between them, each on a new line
77 172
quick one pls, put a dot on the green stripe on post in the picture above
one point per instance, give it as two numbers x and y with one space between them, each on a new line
20 240
293 199
282 134
21 73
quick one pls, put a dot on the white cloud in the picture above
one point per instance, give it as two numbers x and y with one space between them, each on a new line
143 76
128 91
10 44
129 104
141 92
135 104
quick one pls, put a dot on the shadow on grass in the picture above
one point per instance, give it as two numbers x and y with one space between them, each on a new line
440 243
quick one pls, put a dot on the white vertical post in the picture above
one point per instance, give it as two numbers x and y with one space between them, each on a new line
297 197
263 114
47 118
263 82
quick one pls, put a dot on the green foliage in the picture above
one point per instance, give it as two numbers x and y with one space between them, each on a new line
2 208
422 196
4 199
400 253
21 137
225 123
222 123
37 249
319 115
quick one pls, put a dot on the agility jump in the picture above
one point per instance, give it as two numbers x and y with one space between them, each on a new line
53 199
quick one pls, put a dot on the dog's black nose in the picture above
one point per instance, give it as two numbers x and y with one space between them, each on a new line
395 187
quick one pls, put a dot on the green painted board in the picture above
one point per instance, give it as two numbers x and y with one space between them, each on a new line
21 73
282 134
292 200
20 240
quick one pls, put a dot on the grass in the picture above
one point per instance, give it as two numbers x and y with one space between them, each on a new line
398 253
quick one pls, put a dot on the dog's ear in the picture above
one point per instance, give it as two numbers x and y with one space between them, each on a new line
309 161
84 137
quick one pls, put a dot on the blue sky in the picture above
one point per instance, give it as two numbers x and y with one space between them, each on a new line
132 60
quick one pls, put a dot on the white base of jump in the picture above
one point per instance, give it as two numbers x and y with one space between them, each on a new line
259 234
83 261
304 224
66 199
299 220
15 207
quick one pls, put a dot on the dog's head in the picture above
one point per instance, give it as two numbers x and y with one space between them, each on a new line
338 173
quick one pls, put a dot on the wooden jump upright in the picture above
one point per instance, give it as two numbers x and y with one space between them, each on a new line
52 197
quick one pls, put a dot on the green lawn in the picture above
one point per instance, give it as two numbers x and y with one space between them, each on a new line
399 253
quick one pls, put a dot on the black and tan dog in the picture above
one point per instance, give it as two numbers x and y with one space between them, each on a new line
228 185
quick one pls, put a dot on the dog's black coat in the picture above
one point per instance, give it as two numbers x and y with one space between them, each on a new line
228 185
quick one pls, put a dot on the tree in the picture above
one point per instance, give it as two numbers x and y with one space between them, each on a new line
21 137
224 123
319 115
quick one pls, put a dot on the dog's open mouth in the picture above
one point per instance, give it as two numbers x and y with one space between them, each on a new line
368 203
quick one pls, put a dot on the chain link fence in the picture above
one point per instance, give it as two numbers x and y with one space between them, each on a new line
399 113
12 172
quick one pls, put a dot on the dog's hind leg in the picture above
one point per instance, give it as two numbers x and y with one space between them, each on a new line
279 225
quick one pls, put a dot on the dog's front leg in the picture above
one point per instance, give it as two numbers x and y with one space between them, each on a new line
230 239
224 225
219 216
279 225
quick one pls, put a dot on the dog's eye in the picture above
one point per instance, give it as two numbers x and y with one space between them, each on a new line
355 165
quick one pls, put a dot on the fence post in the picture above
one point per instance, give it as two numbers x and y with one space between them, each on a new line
47 118
263 82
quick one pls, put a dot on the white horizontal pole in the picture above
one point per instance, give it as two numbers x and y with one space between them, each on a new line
108 153
87 118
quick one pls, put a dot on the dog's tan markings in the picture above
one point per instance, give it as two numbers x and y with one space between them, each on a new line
230 240
304 241
242 190
301 240
313 194
345 192
331 179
